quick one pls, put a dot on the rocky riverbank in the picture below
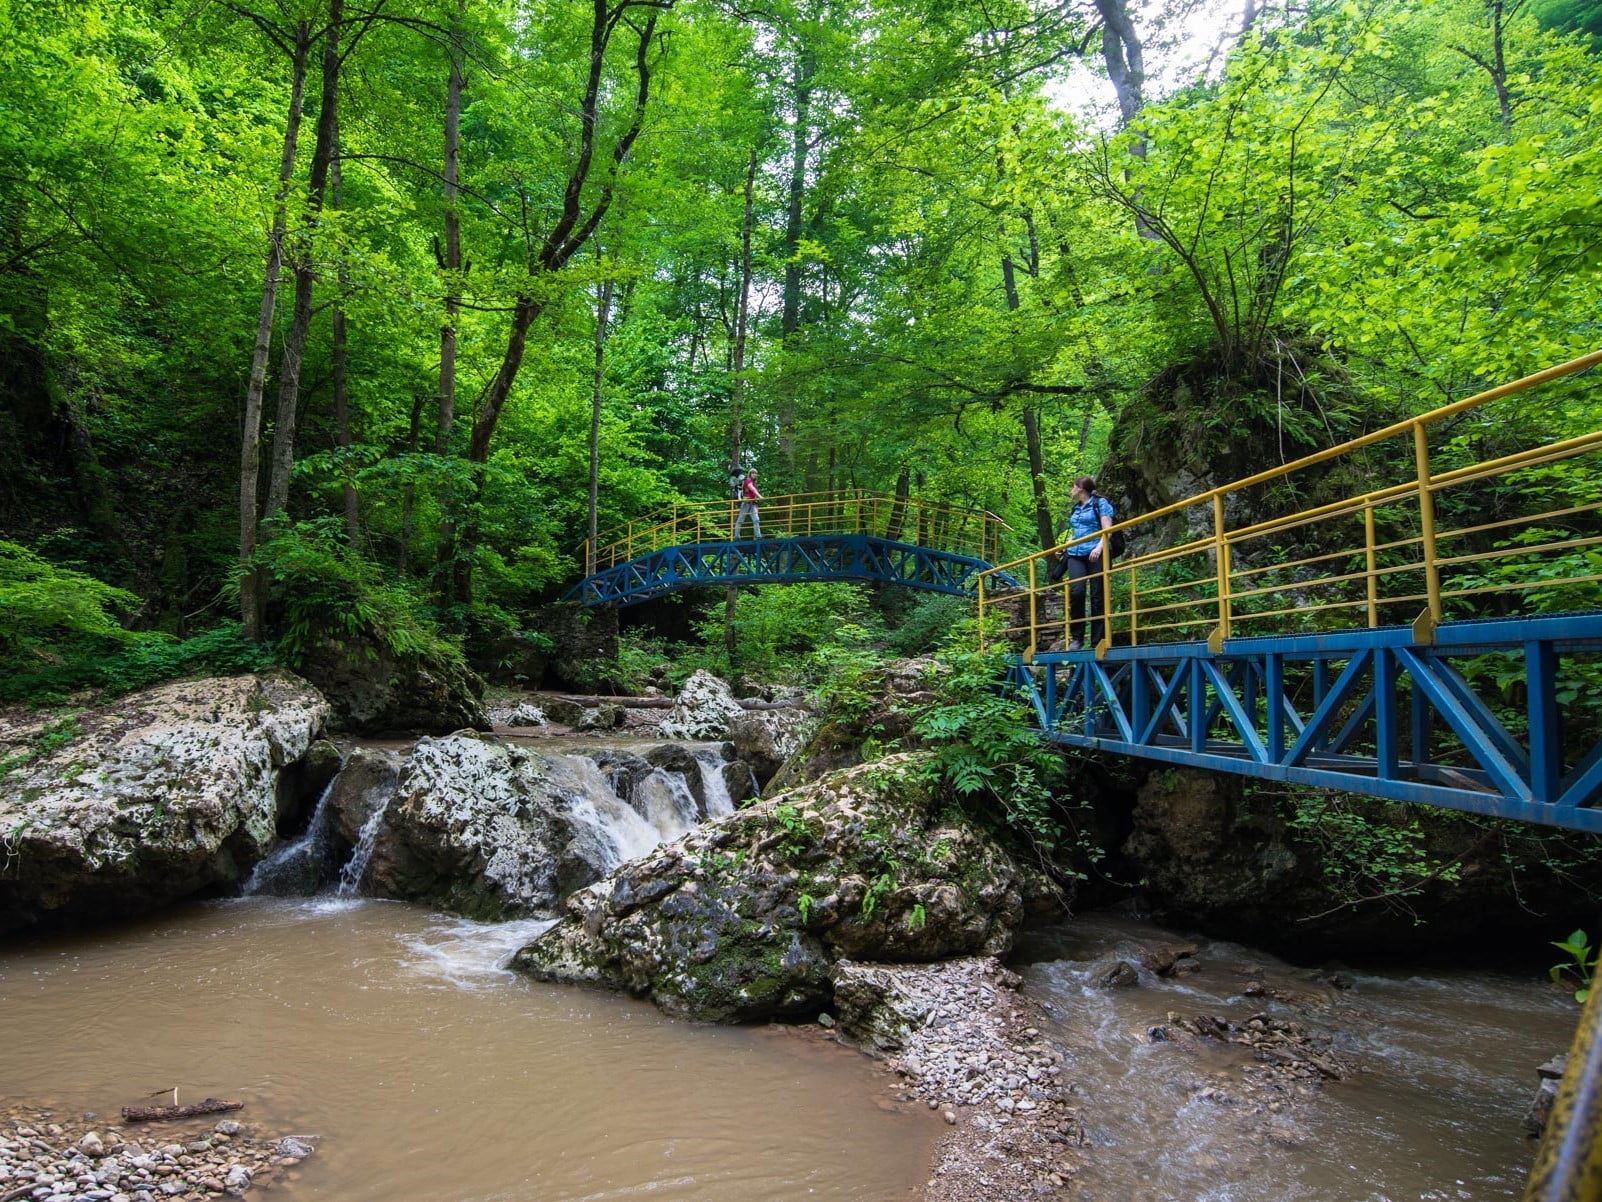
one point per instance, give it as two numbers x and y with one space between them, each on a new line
50 1156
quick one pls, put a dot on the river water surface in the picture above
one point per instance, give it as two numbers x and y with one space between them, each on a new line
1444 1070
431 1074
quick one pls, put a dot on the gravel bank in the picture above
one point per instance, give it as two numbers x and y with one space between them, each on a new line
965 1042
62 1157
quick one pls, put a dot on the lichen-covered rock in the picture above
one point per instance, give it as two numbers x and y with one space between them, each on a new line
492 831
766 739
156 796
703 709
745 917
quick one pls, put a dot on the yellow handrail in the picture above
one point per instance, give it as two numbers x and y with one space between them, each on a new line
1217 582
960 530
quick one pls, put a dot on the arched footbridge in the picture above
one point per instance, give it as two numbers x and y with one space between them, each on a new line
1413 614
872 538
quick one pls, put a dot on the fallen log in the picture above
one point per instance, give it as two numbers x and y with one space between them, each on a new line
666 703
152 1114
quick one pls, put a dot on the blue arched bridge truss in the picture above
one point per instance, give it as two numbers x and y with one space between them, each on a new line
854 557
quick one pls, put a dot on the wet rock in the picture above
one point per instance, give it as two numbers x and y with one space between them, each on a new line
745 916
1121 974
563 711
766 739
703 709
488 830
606 716
1549 1077
158 795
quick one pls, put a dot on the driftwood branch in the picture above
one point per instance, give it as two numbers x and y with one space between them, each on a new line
151 1114
666 703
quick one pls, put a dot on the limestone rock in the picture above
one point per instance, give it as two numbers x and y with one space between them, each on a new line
766 739
745 917
488 830
703 709
160 794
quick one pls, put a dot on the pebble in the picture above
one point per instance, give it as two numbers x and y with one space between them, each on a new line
78 1162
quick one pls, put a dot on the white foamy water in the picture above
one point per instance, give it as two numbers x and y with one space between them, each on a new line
467 954
719 801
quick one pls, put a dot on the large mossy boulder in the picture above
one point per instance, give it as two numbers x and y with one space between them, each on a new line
161 794
745 917
375 691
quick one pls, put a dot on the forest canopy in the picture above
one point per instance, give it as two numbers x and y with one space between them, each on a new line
377 293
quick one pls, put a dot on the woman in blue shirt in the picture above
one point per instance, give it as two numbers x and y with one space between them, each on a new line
1086 561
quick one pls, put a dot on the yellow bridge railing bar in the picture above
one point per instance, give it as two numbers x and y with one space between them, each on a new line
974 533
1370 558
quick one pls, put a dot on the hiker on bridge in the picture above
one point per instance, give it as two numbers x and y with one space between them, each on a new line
1087 561
749 496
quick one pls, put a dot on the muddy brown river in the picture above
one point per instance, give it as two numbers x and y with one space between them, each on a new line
430 1074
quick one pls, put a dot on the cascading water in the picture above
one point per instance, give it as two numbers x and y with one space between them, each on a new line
600 816
668 803
350 876
298 867
715 787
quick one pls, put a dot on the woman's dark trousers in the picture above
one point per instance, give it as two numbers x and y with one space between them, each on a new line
1084 574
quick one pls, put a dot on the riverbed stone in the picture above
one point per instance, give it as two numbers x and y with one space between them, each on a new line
703 709
160 794
745 917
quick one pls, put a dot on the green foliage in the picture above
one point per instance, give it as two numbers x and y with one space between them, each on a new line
987 752
1581 965
45 608
778 629
1370 851
323 592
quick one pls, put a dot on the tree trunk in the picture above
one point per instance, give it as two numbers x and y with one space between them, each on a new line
342 435
795 188
250 442
569 234
742 311
305 273
603 310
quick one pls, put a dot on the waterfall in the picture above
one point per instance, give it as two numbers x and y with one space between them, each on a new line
350 876
296 869
612 826
669 805
714 787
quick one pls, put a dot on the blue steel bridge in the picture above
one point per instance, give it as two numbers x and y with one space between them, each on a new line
1435 638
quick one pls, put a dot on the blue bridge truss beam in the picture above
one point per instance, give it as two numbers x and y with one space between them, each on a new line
856 557
1366 711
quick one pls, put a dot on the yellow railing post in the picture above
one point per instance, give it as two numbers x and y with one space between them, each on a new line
1034 597
1134 611
1568 1164
980 593
1370 561
1215 641
1424 627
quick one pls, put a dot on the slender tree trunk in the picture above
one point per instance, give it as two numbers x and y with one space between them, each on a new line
603 310
414 434
342 437
305 272
742 312
1045 528
250 442
569 234
795 190
452 261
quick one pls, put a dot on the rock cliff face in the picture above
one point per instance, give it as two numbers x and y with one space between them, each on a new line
1221 856
746 916
164 793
